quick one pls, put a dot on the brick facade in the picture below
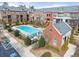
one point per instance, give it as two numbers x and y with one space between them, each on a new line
51 33
13 15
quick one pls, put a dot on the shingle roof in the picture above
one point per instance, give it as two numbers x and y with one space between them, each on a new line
12 8
62 27
61 9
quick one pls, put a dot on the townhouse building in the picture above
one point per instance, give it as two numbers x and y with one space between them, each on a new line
70 14
13 14
41 16
57 32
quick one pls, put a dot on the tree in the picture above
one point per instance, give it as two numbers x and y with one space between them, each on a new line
23 7
65 45
6 26
32 8
5 5
16 33
9 29
27 41
71 36
41 42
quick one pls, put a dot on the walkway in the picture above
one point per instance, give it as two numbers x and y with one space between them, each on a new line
23 51
70 52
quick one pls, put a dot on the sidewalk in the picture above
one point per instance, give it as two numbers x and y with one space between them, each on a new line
23 51
70 51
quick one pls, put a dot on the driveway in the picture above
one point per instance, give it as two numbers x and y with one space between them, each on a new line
23 51
70 52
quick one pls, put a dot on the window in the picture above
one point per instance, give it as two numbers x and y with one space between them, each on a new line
47 19
50 30
4 17
57 20
27 17
55 42
21 17
66 20
4 12
65 38
17 16
33 17
47 14
9 17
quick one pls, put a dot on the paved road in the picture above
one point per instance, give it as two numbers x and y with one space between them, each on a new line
23 51
70 51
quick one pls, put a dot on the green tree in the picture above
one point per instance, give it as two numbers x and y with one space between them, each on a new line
32 8
9 29
41 42
16 33
27 41
23 7
71 36
5 5
6 26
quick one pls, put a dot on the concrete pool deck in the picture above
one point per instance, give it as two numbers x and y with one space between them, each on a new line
23 51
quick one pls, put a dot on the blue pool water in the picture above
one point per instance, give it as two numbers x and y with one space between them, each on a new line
28 29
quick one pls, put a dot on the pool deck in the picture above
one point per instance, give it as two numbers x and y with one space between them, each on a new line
23 51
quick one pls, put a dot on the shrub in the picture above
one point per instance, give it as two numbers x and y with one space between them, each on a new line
41 42
6 26
16 33
9 29
27 41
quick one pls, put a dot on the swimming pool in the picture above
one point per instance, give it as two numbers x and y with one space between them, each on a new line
28 29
